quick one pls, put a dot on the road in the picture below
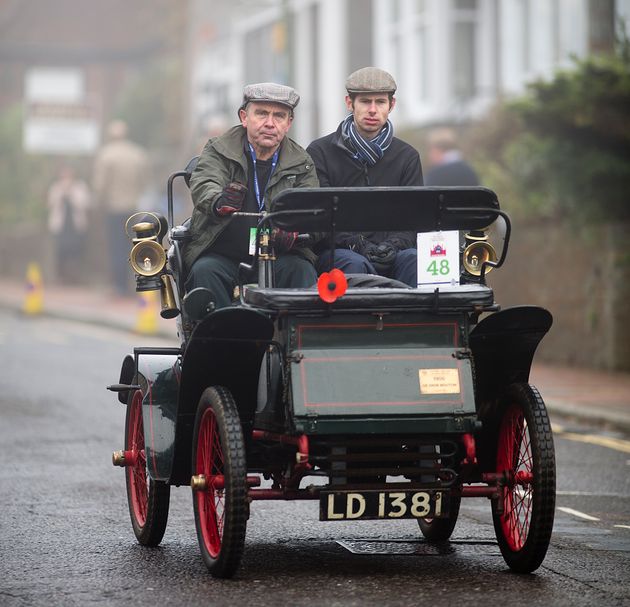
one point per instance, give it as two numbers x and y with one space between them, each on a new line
65 536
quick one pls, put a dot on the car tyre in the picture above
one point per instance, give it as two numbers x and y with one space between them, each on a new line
525 456
148 499
221 507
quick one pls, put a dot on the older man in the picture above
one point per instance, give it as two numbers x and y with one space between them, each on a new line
242 170
364 152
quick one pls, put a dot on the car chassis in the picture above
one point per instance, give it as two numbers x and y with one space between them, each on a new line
389 402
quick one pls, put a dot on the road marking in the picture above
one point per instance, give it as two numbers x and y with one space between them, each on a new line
577 513
622 526
617 444
592 494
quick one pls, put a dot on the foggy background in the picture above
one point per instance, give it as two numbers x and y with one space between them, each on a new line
557 155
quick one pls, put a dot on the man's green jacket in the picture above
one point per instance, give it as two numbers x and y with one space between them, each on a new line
222 161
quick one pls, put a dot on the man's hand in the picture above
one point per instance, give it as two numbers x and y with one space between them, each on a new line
231 199
381 256
282 241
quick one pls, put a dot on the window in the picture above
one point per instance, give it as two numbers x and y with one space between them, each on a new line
464 36
406 27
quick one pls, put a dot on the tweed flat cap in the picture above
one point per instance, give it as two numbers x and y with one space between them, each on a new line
271 93
370 80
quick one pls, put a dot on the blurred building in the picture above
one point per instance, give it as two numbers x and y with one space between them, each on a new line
451 58
69 61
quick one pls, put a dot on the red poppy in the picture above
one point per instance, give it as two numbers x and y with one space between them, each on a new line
332 285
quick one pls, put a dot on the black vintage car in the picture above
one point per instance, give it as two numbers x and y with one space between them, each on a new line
378 400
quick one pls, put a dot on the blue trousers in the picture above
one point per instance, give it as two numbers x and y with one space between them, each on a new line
219 274
350 262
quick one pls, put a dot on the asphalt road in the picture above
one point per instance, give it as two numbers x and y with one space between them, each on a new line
66 539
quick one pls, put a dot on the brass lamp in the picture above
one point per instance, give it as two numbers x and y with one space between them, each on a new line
477 251
148 260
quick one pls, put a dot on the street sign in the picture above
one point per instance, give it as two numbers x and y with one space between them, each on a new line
59 118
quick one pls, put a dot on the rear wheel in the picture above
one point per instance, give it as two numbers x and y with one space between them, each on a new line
441 529
148 499
523 516
220 482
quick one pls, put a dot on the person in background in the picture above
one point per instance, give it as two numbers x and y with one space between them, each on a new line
243 170
447 167
364 152
121 178
68 204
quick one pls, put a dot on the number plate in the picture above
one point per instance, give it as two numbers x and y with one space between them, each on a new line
356 505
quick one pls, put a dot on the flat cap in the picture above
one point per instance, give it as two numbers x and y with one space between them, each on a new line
370 80
270 92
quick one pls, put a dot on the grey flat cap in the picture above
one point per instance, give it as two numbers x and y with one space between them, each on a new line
370 80
271 93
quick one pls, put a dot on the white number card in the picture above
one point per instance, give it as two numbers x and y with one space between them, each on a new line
438 258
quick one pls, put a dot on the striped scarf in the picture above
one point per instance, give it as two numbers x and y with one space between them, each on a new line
369 152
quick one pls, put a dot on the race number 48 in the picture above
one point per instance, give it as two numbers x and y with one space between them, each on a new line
438 258
441 268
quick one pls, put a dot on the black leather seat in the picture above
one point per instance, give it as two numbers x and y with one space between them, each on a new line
444 298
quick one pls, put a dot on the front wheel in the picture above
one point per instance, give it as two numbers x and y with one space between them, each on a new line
148 499
525 458
219 482
441 529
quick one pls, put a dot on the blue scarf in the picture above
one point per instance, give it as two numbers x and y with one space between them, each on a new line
368 151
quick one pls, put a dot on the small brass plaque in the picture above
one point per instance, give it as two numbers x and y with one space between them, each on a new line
439 381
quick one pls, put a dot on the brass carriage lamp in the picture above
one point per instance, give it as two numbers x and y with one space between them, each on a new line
148 261
477 251
147 257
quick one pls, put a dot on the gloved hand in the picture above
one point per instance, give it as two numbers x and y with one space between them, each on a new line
381 256
282 241
231 200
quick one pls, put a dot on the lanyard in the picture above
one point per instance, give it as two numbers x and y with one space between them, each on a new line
274 161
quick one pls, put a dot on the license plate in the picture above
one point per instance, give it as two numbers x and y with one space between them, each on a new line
353 505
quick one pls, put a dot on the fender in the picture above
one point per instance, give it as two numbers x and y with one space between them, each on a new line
503 346
225 349
157 374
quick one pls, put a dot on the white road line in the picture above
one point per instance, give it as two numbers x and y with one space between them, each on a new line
622 526
577 513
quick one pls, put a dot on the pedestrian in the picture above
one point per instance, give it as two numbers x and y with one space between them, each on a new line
68 204
447 166
121 178
364 152
243 170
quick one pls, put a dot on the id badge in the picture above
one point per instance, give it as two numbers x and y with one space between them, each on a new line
252 241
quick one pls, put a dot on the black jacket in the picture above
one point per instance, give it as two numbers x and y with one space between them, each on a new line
399 166
458 172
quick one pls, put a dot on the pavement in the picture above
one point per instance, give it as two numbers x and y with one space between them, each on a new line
581 394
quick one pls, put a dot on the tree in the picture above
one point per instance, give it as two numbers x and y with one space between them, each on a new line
563 149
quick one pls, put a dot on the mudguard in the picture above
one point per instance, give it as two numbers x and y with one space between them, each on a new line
225 349
503 346
157 376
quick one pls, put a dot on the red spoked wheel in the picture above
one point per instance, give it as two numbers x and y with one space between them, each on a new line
523 516
148 499
219 482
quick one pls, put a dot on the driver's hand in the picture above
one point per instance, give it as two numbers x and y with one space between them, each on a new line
282 241
231 199
382 257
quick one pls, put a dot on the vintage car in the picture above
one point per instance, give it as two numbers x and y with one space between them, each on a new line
378 400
